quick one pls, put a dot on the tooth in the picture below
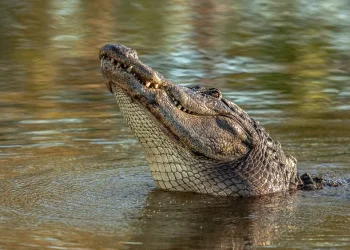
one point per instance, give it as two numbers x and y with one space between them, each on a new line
129 69
184 110
148 84
118 64
156 86
176 102
101 63
179 106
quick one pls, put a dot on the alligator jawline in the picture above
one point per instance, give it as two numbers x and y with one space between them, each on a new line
119 67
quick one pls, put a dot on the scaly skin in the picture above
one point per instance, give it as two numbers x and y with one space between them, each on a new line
195 140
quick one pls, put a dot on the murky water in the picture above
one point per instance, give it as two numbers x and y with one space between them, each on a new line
72 176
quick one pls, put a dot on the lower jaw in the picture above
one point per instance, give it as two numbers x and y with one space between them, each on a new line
109 86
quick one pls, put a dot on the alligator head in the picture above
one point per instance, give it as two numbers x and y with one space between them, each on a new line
195 140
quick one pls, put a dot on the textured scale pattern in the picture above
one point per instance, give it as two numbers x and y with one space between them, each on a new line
173 167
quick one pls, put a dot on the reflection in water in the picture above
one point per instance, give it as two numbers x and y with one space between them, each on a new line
73 176
177 221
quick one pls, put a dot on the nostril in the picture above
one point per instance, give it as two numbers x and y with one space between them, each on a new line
133 53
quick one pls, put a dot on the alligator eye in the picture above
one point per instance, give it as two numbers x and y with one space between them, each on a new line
214 93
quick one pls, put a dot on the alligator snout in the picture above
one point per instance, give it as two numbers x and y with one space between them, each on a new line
116 50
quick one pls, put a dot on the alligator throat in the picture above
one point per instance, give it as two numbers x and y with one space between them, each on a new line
195 140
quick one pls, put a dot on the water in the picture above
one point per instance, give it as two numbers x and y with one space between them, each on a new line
72 176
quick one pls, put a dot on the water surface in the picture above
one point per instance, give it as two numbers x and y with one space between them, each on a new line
72 175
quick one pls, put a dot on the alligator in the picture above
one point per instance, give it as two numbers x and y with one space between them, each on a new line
194 139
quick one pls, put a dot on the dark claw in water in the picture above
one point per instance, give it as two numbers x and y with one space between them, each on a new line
306 182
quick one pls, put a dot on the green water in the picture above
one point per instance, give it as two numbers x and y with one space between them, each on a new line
72 176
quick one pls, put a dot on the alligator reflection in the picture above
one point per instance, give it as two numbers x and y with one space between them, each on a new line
174 220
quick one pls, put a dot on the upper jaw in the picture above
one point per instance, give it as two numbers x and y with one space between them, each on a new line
185 99
121 66
125 59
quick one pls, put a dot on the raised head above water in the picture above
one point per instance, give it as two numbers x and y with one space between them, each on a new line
194 139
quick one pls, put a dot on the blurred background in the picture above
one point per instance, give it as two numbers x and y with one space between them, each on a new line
73 176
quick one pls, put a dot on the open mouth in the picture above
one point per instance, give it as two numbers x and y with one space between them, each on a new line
122 67
118 67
